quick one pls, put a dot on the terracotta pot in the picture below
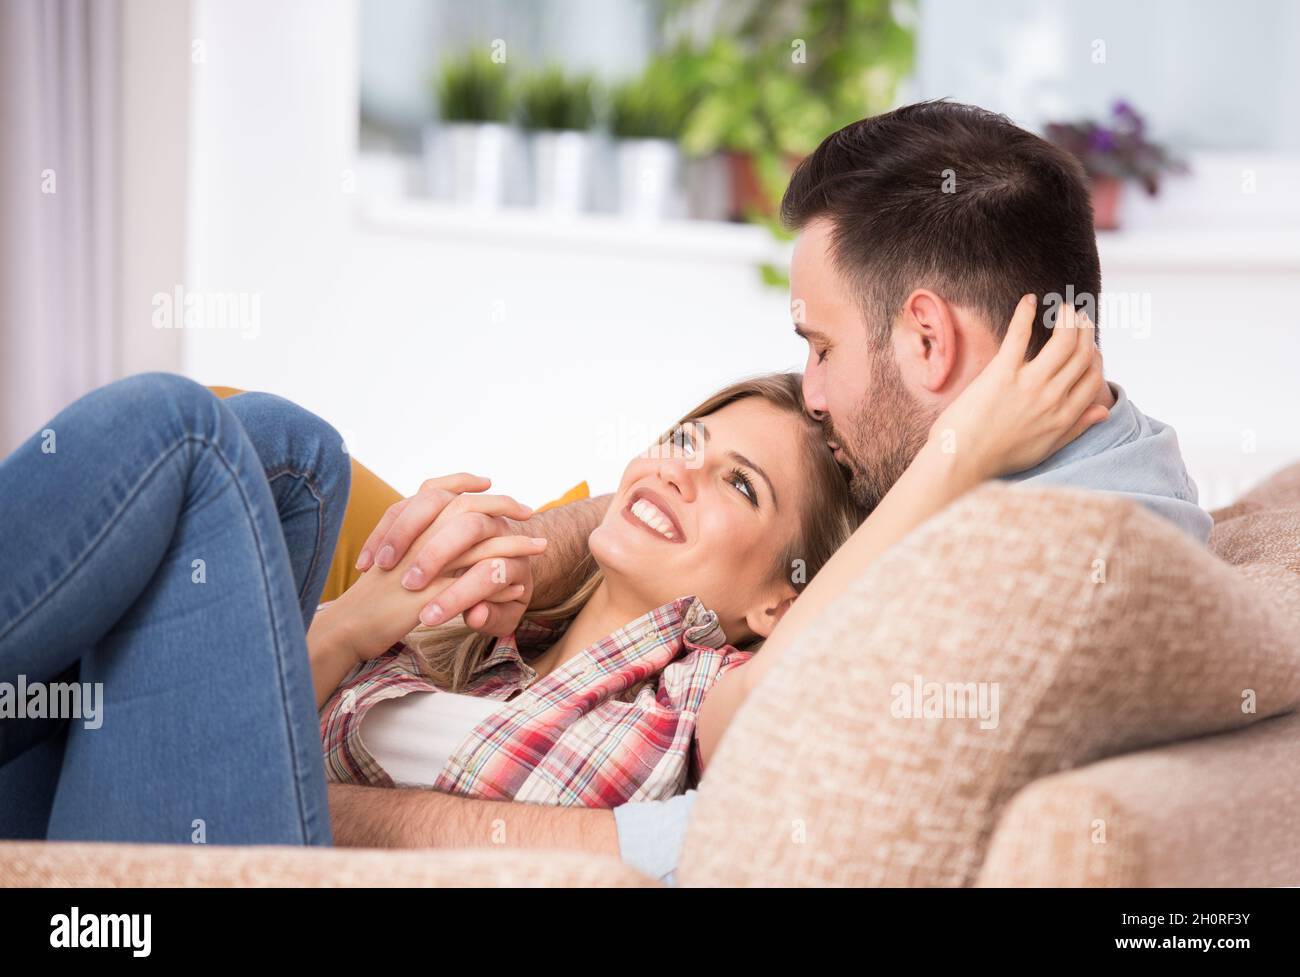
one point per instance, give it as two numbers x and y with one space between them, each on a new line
1107 192
747 190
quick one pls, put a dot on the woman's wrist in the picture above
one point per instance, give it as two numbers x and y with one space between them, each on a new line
330 651
956 460
331 636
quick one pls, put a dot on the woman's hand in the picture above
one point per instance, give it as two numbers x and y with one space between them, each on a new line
1016 413
381 608
396 537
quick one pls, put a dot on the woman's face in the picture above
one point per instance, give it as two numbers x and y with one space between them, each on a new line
709 514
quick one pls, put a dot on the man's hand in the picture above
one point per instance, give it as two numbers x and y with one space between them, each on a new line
493 594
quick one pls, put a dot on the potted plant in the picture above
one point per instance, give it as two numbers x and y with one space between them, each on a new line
1113 154
646 116
468 149
558 111
776 78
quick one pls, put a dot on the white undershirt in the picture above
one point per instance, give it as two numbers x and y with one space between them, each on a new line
413 736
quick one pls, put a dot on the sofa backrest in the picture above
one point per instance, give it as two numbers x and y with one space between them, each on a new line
1084 626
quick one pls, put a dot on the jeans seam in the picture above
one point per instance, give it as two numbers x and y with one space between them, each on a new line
275 638
316 494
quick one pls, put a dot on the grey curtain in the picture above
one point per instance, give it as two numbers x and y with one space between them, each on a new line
59 132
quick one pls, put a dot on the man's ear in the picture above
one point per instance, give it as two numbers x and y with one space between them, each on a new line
764 616
926 340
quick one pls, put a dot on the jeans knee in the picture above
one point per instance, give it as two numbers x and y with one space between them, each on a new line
162 398
289 437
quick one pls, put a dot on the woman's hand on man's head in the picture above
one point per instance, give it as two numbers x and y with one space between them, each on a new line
1016 413
449 532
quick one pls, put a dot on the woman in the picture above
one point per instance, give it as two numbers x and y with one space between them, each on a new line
172 547
594 701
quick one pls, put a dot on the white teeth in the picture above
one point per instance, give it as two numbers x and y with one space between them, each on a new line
649 514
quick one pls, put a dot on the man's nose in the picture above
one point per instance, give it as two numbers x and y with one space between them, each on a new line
813 401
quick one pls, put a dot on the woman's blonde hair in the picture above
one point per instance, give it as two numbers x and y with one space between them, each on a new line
451 652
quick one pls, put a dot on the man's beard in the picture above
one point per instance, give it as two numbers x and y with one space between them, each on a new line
883 436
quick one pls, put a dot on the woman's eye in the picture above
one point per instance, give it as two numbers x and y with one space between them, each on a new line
682 440
744 485
822 354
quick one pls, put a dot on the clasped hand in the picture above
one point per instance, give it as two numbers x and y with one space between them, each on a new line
446 550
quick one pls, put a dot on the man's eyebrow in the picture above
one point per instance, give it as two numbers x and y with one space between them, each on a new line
807 334
736 456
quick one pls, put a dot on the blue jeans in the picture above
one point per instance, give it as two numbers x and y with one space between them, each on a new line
173 547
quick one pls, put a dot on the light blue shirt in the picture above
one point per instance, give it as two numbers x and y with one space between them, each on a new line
1128 453
1133 455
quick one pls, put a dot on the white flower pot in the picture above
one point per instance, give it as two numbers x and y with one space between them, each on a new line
466 162
562 161
649 173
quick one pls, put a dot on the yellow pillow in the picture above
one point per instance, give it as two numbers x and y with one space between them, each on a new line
369 500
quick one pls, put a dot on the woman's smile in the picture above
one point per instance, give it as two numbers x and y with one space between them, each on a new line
650 512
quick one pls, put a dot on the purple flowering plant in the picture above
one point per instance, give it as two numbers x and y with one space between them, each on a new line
1117 149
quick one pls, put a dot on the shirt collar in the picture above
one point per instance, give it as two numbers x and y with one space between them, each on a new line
681 622
1122 426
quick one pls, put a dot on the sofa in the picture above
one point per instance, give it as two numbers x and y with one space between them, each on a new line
1038 687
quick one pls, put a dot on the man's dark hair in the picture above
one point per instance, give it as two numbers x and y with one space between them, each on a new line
954 198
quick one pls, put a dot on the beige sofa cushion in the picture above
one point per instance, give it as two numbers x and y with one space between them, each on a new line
1213 811
1260 535
1102 628
42 863
1279 491
1217 811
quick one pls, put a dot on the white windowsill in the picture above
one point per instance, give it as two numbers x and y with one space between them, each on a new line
1199 250
603 233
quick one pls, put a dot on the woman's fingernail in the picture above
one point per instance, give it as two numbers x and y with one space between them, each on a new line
413 579
363 560
517 590
539 540
431 615
385 558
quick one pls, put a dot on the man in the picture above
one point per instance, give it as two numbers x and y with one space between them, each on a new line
919 231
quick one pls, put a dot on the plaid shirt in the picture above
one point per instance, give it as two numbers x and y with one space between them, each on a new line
615 723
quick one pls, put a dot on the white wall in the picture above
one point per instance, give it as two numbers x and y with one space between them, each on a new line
1218 360
541 355
538 366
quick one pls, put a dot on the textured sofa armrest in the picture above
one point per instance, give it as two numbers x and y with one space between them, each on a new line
1092 628
1219 811
114 865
